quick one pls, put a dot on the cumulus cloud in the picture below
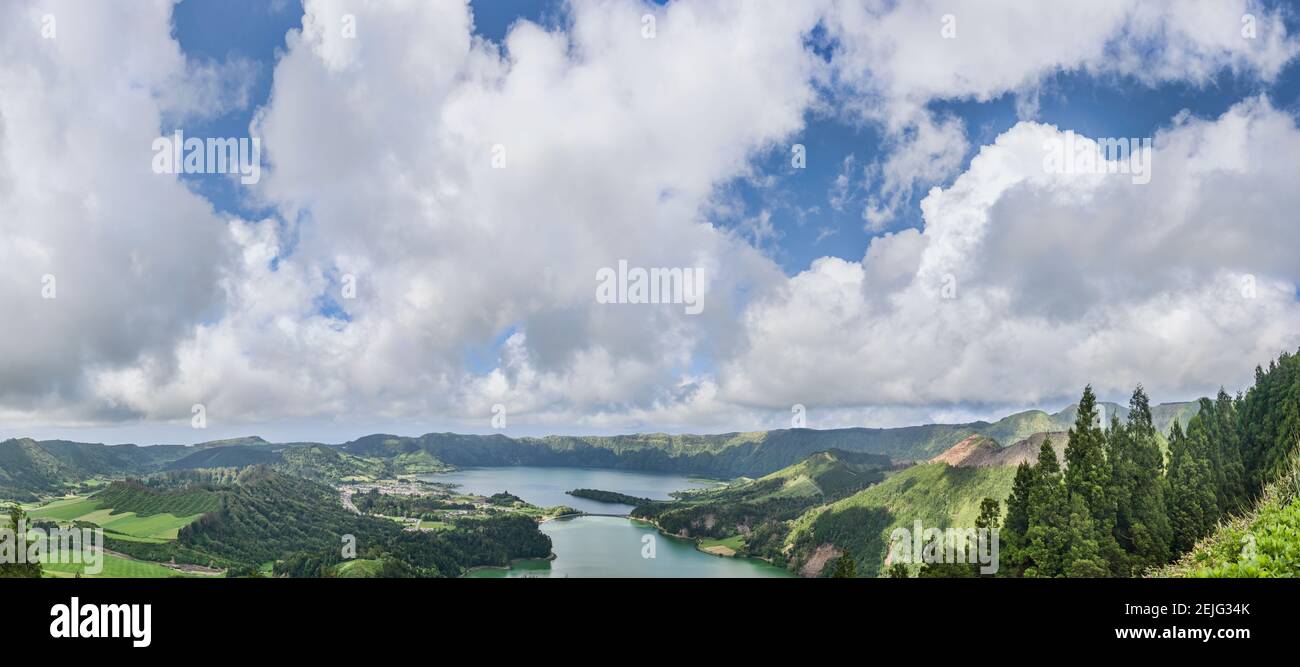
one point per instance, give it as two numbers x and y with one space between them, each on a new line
896 58
131 258
382 165
1025 284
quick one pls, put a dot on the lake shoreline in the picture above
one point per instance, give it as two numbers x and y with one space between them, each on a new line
600 538
695 544
478 568
702 550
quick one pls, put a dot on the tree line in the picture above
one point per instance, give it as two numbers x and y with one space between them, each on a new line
1120 506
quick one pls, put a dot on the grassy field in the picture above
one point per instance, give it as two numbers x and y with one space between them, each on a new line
115 567
128 524
360 568
67 509
723 547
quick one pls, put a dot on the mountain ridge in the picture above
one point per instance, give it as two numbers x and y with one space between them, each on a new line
29 468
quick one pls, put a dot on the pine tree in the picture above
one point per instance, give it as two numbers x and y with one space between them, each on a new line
1137 466
1047 539
1084 556
845 568
1193 503
1014 532
1227 436
989 519
1088 478
990 516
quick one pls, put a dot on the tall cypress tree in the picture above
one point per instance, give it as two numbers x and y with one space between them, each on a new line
1193 503
1047 538
1084 557
1088 478
1227 437
1141 520
1016 528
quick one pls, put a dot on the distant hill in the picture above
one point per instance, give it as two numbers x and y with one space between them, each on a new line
30 469
832 473
727 455
324 463
978 451
983 450
229 456
248 440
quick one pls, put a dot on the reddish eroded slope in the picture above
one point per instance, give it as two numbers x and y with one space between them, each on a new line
979 451
973 452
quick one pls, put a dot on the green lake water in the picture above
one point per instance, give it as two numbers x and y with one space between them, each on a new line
602 546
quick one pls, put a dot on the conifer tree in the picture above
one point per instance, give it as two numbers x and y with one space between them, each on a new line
845 568
1193 505
1141 516
990 518
1047 539
1083 559
1227 436
1015 530
1088 477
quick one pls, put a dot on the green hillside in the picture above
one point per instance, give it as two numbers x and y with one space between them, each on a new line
226 456
133 512
1264 542
131 496
270 516
323 463
829 474
31 469
938 495
751 517
1021 425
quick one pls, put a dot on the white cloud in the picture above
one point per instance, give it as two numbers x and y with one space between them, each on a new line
135 256
896 60
381 158
1061 280
207 89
